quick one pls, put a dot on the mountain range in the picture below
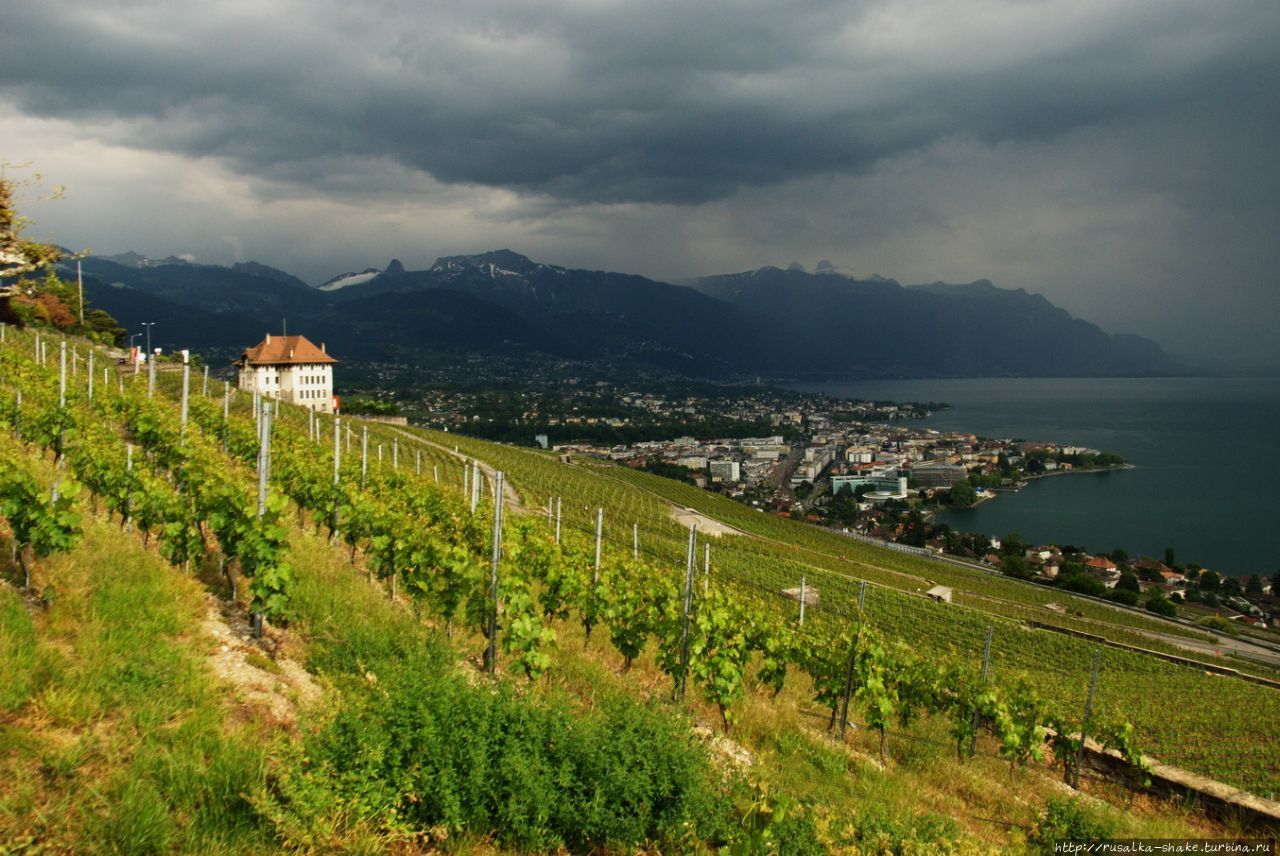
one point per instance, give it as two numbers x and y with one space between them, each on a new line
772 322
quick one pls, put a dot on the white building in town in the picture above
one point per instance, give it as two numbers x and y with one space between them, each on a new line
290 368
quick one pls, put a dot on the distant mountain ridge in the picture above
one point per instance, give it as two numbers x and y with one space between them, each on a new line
770 321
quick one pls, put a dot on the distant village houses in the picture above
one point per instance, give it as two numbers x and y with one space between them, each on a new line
290 368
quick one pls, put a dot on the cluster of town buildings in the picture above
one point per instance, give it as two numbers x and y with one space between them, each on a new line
890 461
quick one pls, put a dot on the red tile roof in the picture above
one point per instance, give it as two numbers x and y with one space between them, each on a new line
275 350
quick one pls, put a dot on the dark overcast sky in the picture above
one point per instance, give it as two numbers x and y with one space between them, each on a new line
1118 157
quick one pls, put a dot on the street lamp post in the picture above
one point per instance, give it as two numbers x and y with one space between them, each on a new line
148 325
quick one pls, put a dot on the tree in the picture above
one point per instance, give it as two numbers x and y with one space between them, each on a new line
1011 545
1168 556
1128 582
1120 556
1082 583
1231 587
19 256
1210 580
1126 596
1161 605
962 494
35 294
1016 566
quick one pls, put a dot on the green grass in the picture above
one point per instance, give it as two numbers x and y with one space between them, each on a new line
118 735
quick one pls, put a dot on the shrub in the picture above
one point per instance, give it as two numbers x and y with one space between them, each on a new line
420 750
1069 820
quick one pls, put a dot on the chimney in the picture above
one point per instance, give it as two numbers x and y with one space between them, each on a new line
268 338
323 350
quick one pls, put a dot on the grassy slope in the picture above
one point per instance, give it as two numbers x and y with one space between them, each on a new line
114 736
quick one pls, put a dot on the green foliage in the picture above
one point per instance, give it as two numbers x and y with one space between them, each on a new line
626 608
1017 567
38 522
1161 605
18 651
1218 624
1069 820
962 494
719 651
877 691
540 775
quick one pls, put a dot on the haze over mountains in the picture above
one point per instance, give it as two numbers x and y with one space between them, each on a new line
773 322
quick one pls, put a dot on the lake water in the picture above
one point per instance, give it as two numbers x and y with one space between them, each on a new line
1207 452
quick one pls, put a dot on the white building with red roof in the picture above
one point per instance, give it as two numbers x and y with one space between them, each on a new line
290 368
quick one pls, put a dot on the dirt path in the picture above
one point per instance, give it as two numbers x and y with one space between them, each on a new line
276 685
706 525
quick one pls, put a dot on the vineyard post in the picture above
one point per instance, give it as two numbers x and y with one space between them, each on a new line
688 602
491 654
186 390
862 594
226 410
62 375
44 353
37 345
706 569
848 677
557 520
466 474
475 485
417 462
89 375
264 458
364 454
62 397
599 538
395 454
348 438
128 493
257 412
986 665
435 473
1084 723
379 456
204 385
75 362
804 594
635 541
337 462
264 472
3 328
151 375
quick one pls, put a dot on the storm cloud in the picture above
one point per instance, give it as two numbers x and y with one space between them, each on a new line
1112 155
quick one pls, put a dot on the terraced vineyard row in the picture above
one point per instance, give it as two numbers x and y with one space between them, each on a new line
1207 723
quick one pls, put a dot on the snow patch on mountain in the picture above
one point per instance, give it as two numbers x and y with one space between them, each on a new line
346 279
